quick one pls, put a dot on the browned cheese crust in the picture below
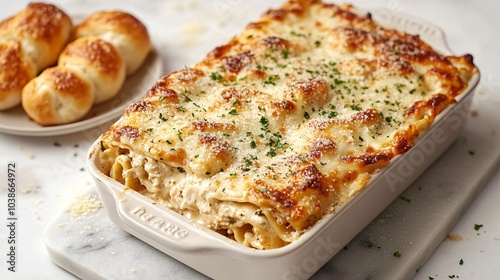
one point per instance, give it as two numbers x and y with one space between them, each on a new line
285 122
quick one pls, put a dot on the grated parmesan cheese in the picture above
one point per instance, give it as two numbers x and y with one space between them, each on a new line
84 206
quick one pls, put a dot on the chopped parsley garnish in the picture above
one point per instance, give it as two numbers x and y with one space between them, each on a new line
253 145
259 212
477 226
233 112
264 191
162 117
179 133
216 77
397 254
405 199
355 107
186 98
264 121
293 33
271 80
333 114
284 53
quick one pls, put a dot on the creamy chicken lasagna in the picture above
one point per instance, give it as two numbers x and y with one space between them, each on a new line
284 123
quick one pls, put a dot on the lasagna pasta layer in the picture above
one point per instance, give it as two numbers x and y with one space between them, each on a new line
285 122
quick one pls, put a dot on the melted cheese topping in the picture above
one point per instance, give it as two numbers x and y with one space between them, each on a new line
287 121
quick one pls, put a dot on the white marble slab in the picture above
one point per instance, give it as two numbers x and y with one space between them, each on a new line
92 247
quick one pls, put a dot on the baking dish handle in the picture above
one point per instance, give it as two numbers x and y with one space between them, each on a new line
148 221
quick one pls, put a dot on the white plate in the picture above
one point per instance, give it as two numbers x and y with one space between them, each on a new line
15 121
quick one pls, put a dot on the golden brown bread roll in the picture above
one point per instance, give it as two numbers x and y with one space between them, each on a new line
107 47
97 60
16 70
58 96
30 41
42 29
122 30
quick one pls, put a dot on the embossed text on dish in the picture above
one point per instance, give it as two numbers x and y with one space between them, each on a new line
164 226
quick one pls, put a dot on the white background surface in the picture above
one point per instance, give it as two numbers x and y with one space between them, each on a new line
52 171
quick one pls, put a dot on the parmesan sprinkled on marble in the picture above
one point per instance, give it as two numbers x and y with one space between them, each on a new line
84 205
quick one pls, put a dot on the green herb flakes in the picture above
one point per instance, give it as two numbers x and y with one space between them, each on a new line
162 118
253 145
264 121
216 77
284 53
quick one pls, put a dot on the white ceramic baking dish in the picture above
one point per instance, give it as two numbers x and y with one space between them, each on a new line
221 258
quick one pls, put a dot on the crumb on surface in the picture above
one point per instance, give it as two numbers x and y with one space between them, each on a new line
454 237
37 203
30 188
84 205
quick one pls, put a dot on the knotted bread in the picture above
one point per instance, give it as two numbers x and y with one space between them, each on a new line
99 61
121 29
30 41
58 95
106 46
